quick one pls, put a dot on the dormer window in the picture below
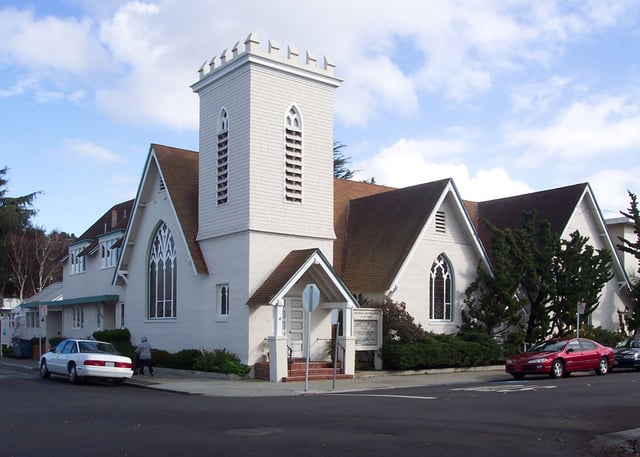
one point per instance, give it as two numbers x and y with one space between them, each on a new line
222 162
78 262
293 156
108 254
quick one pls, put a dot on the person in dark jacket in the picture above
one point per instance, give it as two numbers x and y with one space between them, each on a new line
144 356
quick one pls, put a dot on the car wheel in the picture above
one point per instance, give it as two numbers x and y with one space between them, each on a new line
518 376
73 374
603 366
557 369
44 371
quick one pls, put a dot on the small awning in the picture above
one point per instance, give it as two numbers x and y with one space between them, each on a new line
73 301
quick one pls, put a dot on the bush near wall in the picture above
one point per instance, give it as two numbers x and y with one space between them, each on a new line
442 351
602 336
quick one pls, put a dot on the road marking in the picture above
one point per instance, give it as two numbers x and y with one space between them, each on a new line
505 388
412 397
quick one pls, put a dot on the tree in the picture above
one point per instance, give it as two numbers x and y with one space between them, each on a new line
490 303
631 319
580 273
538 276
15 216
340 162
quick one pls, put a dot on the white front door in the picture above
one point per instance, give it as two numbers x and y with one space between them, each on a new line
294 326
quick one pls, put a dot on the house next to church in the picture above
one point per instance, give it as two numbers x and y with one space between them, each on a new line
220 243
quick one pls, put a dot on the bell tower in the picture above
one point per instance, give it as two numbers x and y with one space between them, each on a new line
266 146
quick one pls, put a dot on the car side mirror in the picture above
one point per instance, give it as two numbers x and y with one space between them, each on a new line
570 350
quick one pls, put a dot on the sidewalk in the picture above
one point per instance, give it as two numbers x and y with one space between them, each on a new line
217 385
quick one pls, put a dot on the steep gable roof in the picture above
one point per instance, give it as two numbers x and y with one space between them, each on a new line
382 230
554 205
344 191
179 170
291 269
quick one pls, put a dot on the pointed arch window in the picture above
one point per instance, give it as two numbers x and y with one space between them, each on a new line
440 290
293 156
222 161
162 275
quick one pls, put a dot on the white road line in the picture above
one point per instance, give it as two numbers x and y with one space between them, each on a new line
412 397
505 389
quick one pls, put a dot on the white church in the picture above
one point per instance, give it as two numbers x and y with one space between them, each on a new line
218 245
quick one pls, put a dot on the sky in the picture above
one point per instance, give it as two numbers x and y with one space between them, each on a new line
504 96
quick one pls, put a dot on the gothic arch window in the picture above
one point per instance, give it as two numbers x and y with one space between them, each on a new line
162 275
441 290
222 160
293 156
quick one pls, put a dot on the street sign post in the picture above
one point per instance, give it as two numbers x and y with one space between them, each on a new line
310 300
581 307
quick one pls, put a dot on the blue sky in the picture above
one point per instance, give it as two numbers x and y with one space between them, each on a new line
505 97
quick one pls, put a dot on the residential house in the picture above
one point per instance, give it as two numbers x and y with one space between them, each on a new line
87 300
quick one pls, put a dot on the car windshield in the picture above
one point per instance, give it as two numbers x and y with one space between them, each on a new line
97 347
549 346
628 343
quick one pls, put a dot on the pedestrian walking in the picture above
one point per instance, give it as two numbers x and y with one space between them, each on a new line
144 355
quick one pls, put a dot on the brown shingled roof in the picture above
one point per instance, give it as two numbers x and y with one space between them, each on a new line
179 168
344 191
115 219
554 205
381 231
280 276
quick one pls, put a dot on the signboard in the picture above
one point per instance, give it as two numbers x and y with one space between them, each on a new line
310 297
43 310
581 306
367 328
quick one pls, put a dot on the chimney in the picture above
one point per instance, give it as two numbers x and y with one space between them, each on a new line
114 218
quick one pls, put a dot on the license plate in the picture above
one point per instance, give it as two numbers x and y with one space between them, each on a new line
109 364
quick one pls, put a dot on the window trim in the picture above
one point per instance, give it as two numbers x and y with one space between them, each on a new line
446 283
162 252
223 305
293 156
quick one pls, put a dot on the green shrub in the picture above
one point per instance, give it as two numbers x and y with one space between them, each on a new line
112 336
602 336
160 358
7 351
441 351
220 361
184 359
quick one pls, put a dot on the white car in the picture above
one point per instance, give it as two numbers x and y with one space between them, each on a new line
79 359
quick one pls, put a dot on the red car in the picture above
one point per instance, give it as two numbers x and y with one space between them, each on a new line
559 357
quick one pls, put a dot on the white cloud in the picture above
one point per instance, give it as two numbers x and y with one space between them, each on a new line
413 162
49 43
458 49
87 150
610 187
592 127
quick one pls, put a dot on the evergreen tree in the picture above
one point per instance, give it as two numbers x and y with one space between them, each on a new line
491 305
537 281
341 162
15 216
580 273
631 319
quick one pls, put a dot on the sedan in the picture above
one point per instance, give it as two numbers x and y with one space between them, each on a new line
560 357
85 359
627 353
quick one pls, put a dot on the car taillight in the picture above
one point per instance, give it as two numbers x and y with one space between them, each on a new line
95 363
123 365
